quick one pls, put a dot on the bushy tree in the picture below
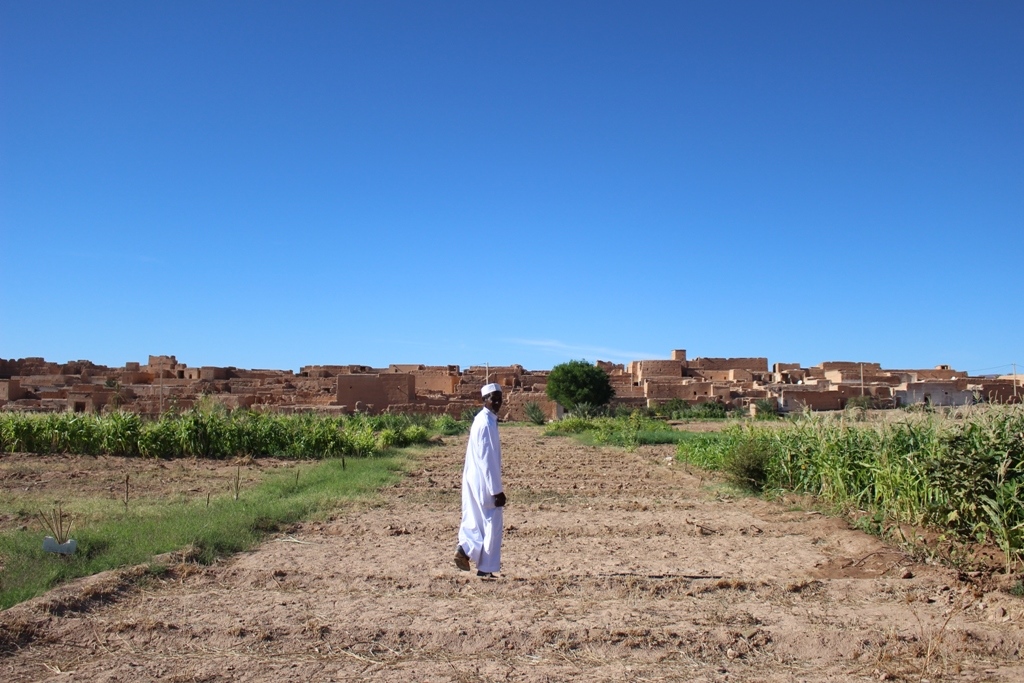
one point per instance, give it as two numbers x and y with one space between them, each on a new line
578 382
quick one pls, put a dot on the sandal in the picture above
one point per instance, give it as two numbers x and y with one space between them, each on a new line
461 559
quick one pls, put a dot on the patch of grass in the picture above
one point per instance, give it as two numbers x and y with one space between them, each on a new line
152 527
626 431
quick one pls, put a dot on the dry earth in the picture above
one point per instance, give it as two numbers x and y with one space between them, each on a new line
617 566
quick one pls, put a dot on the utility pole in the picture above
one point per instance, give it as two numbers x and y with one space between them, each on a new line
1015 381
861 379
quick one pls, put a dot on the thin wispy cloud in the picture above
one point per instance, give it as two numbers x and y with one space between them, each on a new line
113 257
589 352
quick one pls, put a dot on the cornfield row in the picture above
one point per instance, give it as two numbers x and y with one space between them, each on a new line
962 473
217 434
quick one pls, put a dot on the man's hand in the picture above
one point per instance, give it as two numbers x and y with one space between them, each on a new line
499 500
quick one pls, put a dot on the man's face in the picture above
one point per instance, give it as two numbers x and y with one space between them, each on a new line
493 401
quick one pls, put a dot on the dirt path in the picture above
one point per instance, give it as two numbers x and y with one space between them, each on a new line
617 566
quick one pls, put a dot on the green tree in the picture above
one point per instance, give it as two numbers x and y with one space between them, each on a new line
578 382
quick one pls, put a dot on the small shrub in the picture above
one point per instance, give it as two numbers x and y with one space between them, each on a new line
570 425
390 438
449 426
746 465
415 434
862 402
621 431
534 413
625 410
708 410
360 441
765 409
585 410
671 408
857 407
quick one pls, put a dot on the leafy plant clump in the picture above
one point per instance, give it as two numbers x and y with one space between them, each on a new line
571 425
587 410
861 402
765 409
449 426
577 383
747 465
535 414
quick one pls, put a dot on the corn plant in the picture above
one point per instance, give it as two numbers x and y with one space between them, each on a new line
119 433
21 433
209 431
963 472
159 439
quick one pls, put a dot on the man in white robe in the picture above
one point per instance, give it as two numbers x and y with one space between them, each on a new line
483 496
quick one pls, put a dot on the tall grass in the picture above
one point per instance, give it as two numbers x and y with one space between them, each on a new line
114 538
215 433
962 473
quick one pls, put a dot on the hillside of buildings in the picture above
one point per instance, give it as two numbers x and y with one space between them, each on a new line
163 383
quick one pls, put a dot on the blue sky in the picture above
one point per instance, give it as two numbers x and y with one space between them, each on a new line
282 184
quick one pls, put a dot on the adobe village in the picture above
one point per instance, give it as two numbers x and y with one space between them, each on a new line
617 564
36 385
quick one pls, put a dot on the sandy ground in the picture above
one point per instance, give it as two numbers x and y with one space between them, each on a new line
616 567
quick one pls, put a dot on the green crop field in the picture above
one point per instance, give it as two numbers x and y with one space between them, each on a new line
336 459
961 473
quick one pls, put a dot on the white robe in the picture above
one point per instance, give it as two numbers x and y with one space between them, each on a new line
480 531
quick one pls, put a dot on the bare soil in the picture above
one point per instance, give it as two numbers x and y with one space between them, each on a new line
616 566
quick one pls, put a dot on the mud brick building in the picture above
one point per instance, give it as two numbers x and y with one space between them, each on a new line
34 384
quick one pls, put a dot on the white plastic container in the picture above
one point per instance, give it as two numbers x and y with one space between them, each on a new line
50 545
